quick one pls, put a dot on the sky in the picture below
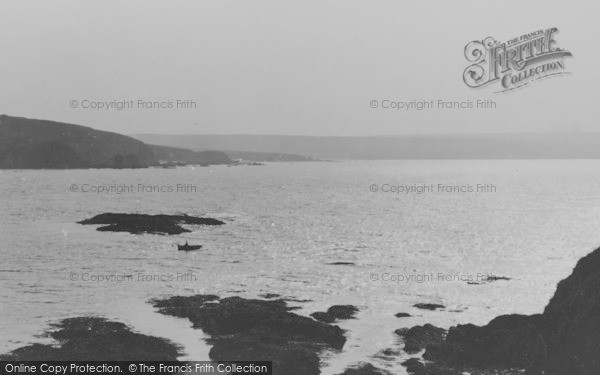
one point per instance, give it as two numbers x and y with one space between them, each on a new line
288 67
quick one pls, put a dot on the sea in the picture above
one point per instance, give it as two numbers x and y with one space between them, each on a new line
402 233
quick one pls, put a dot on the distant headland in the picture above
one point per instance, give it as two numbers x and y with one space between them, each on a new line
42 144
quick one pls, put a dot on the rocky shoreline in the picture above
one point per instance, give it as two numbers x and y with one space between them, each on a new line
564 339
257 330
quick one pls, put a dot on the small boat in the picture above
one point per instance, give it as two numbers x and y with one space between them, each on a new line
187 247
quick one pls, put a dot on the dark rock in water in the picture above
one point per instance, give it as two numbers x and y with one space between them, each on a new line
429 306
418 338
364 369
335 313
141 223
96 339
488 279
389 352
402 315
341 264
401 331
253 329
235 315
414 366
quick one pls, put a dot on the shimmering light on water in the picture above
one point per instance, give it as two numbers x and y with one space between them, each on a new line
285 224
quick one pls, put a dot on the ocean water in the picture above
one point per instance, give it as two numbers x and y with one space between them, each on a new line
285 224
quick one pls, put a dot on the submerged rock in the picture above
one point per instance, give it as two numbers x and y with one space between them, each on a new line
142 223
496 278
335 313
429 306
96 339
489 279
402 315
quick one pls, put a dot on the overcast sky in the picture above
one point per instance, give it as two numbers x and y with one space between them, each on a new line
283 67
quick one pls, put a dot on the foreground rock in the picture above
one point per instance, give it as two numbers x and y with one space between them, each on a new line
509 341
141 223
250 329
572 321
335 313
414 366
96 339
565 339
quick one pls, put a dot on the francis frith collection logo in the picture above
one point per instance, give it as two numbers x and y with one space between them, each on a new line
515 63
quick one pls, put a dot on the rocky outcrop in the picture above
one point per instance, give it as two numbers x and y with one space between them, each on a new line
572 321
565 339
96 339
429 306
418 338
508 341
250 329
287 357
141 223
335 313
414 366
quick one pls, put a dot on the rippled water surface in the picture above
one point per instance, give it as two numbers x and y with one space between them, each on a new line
285 224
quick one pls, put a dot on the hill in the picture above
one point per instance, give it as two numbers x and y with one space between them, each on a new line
37 144
460 146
